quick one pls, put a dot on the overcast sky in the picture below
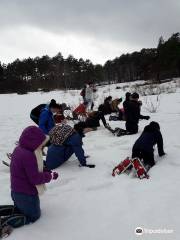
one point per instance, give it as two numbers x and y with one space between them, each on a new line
98 30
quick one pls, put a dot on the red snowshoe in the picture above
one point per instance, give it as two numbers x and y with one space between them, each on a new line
122 167
139 168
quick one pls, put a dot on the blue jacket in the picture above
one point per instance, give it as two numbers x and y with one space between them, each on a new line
46 120
58 154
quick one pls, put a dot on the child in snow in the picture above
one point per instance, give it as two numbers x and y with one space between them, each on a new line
89 96
46 119
143 147
81 110
132 114
93 119
65 141
28 178
35 113
106 106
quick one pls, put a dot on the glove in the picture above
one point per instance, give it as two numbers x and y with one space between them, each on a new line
54 175
147 117
88 165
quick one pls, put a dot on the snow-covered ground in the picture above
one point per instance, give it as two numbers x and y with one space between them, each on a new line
89 204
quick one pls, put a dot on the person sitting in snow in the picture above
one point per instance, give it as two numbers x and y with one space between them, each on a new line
143 147
132 114
65 141
28 179
115 109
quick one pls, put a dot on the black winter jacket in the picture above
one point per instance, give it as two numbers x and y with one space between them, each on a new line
148 139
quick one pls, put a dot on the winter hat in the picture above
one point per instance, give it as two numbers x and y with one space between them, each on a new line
53 104
128 94
60 133
153 126
135 95
79 127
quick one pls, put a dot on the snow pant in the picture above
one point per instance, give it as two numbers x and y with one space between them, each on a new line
90 104
57 155
148 157
131 127
34 118
28 205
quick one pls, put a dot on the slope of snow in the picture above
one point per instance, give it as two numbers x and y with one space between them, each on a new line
89 204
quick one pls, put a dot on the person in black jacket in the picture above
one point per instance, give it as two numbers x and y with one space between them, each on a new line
93 119
132 114
106 106
143 147
127 99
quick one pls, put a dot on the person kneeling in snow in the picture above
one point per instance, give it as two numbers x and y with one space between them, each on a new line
65 141
143 147
28 177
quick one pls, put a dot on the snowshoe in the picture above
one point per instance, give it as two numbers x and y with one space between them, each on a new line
5 231
6 163
120 132
122 167
139 168
7 210
15 220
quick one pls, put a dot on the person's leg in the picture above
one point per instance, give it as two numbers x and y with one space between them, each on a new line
92 105
68 153
131 128
136 153
55 156
148 158
28 205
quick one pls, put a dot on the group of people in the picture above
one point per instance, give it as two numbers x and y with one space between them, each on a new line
29 173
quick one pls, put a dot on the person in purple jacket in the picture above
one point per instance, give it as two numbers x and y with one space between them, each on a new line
28 177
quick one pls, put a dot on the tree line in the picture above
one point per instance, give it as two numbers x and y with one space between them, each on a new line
46 73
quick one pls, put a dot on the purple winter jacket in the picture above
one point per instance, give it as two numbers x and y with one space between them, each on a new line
24 168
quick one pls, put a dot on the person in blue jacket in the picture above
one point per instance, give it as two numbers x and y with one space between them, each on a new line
46 119
143 147
66 141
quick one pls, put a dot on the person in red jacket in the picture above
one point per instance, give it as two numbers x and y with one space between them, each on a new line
80 110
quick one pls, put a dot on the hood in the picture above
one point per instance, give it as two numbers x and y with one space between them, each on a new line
31 138
152 127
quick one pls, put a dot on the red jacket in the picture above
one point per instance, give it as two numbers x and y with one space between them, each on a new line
80 110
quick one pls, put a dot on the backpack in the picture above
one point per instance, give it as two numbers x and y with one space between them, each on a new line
83 92
37 110
60 133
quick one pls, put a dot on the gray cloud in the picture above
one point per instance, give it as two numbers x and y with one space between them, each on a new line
134 22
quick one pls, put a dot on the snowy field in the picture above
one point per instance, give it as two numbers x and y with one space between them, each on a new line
89 204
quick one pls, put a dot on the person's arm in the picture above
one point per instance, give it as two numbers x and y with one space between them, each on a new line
160 144
103 119
34 176
43 121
